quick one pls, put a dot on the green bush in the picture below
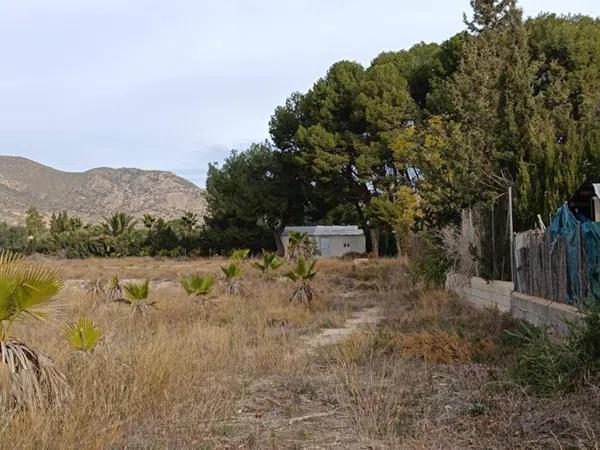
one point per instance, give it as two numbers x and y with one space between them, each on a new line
428 262
549 366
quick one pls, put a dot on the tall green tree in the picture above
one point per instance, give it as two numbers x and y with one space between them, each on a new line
341 131
118 224
255 189
34 222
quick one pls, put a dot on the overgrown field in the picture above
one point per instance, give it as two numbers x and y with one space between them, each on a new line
248 372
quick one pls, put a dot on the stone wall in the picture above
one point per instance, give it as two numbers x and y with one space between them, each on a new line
500 294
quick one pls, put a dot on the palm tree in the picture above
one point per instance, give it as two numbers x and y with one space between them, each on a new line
197 285
240 254
303 272
269 264
31 379
232 273
189 221
137 295
148 220
300 245
118 224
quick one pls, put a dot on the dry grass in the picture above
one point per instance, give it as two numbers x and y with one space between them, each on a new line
235 373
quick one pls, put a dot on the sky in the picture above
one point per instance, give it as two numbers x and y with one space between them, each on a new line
176 84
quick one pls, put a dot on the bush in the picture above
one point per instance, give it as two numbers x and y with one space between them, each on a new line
549 366
428 262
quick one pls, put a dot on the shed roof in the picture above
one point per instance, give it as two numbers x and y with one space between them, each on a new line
325 230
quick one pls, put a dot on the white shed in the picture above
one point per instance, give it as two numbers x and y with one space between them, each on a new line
331 240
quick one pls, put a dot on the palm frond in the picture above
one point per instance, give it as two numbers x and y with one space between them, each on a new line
303 272
25 288
269 263
231 271
137 292
240 254
197 284
28 379
83 335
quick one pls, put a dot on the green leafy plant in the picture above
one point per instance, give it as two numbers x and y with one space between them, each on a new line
232 273
300 245
549 366
137 295
543 364
304 272
197 285
27 377
83 335
269 263
240 254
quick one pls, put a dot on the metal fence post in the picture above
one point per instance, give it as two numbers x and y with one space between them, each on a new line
511 237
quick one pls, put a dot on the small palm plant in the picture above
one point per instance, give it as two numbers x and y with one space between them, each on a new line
240 254
304 272
300 245
268 265
83 335
232 273
28 379
137 295
197 285
115 290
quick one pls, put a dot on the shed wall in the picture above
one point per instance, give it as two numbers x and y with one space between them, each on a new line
356 243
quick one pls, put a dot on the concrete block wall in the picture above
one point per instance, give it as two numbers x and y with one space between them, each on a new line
489 293
543 313
500 294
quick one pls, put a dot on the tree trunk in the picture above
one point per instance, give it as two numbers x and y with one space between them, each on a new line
365 227
398 239
279 243
375 234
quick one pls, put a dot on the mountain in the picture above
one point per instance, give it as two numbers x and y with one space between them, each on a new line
93 194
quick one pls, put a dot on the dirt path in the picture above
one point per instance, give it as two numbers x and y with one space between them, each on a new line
304 411
365 317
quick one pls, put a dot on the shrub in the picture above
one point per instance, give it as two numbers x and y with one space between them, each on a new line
428 262
543 364
549 366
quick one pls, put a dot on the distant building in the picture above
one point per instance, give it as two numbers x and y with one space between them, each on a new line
331 240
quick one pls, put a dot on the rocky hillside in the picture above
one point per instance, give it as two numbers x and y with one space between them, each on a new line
93 194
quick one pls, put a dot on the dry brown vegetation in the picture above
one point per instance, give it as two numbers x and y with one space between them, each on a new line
238 372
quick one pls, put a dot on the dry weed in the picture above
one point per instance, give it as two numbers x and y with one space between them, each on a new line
436 347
